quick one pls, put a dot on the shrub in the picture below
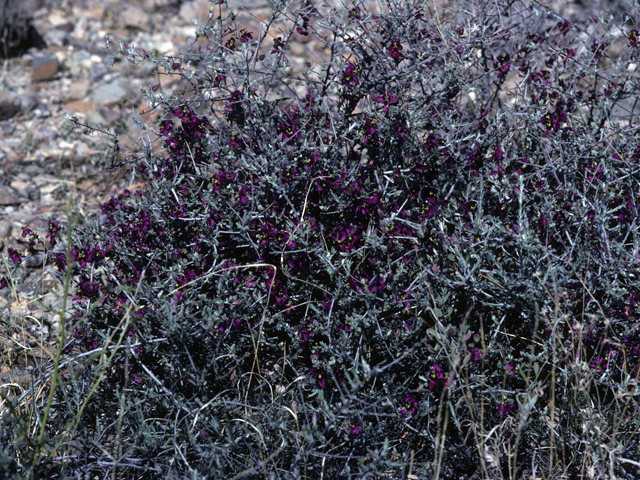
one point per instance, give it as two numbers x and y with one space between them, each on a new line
419 257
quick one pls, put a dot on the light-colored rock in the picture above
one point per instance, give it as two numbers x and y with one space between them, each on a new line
111 92
79 106
94 117
135 18
198 9
57 18
19 185
94 11
78 90
5 229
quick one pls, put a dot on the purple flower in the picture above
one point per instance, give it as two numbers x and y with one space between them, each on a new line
569 53
289 128
318 374
278 45
369 130
350 76
305 335
85 255
476 354
438 377
563 27
309 100
218 79
87 289
245 36
502 65
14 255
3 283
410 405
303 30
355 427
386 100
395 50
60 261
505 409
354 13
52 232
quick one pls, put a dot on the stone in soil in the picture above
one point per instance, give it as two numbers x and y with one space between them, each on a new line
44 68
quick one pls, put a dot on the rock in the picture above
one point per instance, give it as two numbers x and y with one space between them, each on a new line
111 92
248 4
98 72
7 128
154 6
94 117
198 9
80 27
32 193
110 115
9 154
9 106
95 12
45 135
41 111
58 18
19 185
136 19
78 90
44 68
8 196
79 106
5 229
